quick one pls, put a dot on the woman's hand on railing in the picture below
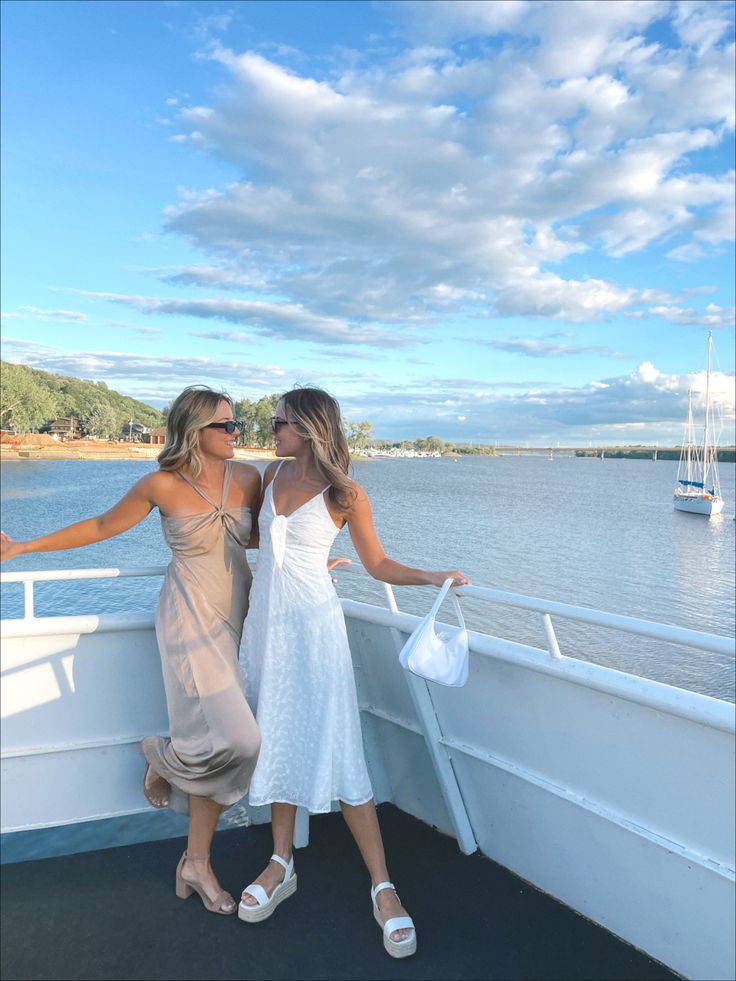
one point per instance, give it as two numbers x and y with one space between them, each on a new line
8 548
334 563
438 578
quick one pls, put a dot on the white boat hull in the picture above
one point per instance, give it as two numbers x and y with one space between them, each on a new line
698 504
612 793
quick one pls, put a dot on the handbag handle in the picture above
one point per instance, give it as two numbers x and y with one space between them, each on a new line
444 590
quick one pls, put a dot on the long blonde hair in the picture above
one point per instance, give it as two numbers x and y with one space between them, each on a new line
315 416
190 411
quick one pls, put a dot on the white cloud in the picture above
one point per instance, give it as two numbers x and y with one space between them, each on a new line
540 349
38 313
713 316
702 23
444 180
651 400
647 401
133 373
281 320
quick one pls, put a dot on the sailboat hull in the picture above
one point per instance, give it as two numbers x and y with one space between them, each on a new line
698 504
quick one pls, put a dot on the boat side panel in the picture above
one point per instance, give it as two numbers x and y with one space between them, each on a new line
648 767
618 808
680 912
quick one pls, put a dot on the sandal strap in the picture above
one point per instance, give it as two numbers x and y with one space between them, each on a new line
223 898
381 885
287 865
398 923
258 893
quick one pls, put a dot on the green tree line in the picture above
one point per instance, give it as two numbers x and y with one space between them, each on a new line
255 417
30 398
433 444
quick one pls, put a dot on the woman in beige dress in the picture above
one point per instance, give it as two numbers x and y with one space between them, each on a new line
207 505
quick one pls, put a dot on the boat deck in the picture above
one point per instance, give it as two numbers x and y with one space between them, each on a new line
113 913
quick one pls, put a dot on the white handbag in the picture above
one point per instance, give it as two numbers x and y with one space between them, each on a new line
440 656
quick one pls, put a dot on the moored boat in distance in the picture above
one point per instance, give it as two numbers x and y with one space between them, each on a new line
698 488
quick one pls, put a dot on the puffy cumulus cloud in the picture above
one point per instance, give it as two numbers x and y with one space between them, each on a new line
548 295
645 402
712 316
448 20
701 23
451 178
463 408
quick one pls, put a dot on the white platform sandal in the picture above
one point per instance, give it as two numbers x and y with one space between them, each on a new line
396 948
265 905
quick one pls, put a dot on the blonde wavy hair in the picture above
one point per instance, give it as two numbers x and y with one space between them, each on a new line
315 416
190 411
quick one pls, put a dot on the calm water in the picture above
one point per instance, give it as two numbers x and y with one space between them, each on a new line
593 533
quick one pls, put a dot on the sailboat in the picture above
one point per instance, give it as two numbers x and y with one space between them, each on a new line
698 488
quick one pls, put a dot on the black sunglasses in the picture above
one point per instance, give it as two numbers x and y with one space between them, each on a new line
277 423
230 426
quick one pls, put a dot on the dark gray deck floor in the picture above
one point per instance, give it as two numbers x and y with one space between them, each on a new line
113 914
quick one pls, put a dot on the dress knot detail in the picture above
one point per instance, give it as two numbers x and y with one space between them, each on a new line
278 539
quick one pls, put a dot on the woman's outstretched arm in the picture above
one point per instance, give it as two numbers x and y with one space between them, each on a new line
375 560
133 508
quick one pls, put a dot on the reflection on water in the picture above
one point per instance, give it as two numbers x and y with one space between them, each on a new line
594 533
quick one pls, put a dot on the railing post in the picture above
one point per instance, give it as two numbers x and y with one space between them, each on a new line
549 631
421 697
28 613
390 598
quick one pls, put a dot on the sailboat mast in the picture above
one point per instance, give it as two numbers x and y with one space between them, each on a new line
689 437
706 450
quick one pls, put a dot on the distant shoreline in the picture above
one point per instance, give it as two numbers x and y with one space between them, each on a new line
84 449
101 450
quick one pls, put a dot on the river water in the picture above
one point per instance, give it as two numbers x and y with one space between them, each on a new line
595 533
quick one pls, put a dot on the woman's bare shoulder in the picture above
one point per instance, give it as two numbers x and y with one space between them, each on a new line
159 480
245 473
270 472
359 502
156 487
359 490
166 478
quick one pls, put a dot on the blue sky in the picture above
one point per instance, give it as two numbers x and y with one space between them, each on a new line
490 221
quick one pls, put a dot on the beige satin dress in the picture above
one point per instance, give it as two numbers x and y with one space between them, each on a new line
214 739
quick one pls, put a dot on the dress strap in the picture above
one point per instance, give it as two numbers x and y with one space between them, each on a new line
226 482
272 481
198 490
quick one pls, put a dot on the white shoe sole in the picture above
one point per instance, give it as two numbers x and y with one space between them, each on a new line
402 948
254 914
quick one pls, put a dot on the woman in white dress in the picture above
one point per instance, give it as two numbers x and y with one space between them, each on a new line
296 661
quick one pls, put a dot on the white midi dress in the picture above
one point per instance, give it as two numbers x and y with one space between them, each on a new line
297 667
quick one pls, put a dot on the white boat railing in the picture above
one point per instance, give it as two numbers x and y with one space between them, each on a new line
669 633
550 780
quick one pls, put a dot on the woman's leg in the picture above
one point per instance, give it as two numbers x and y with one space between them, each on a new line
203 815
283 817
363 823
